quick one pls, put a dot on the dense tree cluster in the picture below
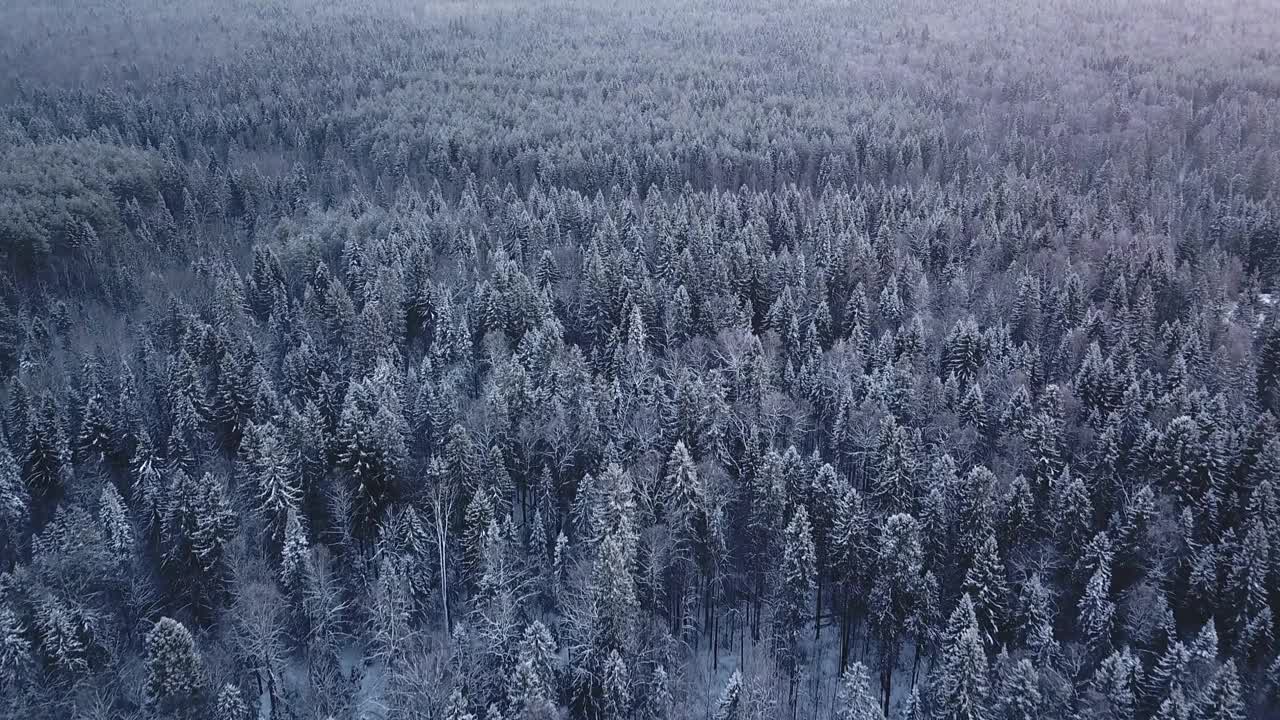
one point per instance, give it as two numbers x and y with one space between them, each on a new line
736 359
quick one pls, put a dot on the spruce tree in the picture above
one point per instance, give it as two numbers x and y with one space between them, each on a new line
16 660
1016 695
985 583
1223 699
1097 612
729 704
961 683
15 506
854 699
47 461
116 528
797 583
198 527
175 673
1116 686
531 688
269 466
230 704
900 591
295 558
616 686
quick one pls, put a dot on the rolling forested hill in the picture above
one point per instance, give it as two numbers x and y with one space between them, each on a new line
721 359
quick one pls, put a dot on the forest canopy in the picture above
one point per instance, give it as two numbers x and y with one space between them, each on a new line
724 359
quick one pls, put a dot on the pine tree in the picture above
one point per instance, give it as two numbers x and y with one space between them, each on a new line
1116 685
96 440
1222 700
61 638
1251 572
616 686
269 465
15 651
456 707
658 700
234 394
894 487
1070 513
962 351
148 484
1016 695
481 514
175 673
684 490
547 273
1036 621
370 442
14 507
729 705
230 704
985 583
961 683
199 524
531 688
797 583
1168 675
295 558
1174 707
116 528
900 592
186 404
47 461
855 699
1097 611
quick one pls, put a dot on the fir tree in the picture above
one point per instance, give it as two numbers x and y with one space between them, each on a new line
1174 707
116 528
456 707
14 507
1097 611
532 687
1016 695
270 467
616 686
96 441
230 704
294 557
175 672
729 704
47 461
962 684
198 527
985 583
855 699
798 581
1116 685
15 651
1222 700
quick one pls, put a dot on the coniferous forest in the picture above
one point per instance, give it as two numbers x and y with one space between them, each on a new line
688 360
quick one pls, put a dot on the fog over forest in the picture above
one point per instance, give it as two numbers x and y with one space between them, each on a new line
639 360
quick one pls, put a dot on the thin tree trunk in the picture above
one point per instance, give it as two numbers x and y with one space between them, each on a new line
886 673
817 611
715 640
844 634
442 545
271 691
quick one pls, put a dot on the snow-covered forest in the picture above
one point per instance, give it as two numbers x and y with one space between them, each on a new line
640 360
